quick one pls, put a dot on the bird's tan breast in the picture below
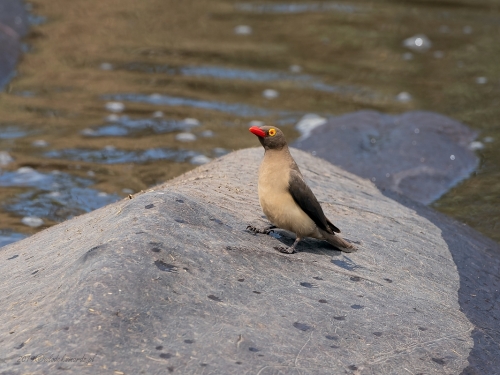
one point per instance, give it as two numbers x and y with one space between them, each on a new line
275 199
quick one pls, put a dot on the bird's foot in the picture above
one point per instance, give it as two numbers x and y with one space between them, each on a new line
265 230
285 250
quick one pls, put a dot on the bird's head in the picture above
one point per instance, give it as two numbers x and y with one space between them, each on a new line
270 137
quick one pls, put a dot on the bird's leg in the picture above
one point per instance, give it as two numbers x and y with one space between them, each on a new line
265 230
289 250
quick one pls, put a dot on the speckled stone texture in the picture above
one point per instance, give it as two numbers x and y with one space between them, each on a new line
171 282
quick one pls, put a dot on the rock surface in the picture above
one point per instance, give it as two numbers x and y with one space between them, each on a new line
171 282
13 26
419 154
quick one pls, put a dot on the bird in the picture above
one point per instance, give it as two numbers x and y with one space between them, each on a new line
286 199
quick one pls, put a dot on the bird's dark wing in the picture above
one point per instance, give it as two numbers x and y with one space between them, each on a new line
306 200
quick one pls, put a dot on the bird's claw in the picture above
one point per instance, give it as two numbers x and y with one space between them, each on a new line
285 250
256 230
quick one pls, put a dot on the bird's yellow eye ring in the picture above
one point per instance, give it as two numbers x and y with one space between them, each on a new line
272 132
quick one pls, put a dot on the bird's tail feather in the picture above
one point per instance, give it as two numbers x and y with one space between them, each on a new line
338 242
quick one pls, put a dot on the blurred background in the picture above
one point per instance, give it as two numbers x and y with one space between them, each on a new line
112 97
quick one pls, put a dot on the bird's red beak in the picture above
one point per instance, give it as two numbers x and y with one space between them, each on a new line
258 131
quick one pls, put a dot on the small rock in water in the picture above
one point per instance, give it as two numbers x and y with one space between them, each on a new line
91 173
40 143
438 54
32 221
88 132
200 159
115 106
243 30
476 145
109 148
158 114
270 94
219 151
295 68
481 80
256 123
5 158
207 133
467 30
403 97
127 191
155 97
407 56
185 137
106 66
444 29
419 43
191 122
113 118
488 139
102 194
309 122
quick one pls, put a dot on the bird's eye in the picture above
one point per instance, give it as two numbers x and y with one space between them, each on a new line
272 132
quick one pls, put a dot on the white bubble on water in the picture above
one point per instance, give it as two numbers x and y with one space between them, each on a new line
200 159
476 145
243 30
481 80
185 137
404 97
115 106
5 158
40 143
106 66
419 43
270 94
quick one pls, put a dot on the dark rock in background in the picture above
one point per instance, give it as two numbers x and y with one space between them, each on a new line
170 281
418 154
13 26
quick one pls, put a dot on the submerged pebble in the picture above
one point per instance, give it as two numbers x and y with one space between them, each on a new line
270 94
32 221
481 80
106 66
403 97
243 30
115 106
185 137
207 133
200 159
418 43
191 122
476 145
40 143
5 158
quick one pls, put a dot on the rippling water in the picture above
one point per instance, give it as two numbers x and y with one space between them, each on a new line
111 98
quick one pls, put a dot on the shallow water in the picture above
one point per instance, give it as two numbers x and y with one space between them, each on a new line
111 98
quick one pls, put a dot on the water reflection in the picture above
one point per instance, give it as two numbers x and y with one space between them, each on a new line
55 196
124 126
112 155
158 99
291 8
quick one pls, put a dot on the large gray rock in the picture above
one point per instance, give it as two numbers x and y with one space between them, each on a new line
419 154
13 26
170 281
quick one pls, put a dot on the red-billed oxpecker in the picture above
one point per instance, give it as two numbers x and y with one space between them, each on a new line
286 199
